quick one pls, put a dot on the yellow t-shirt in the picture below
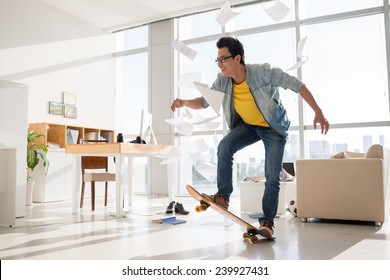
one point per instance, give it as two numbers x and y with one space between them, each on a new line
245 105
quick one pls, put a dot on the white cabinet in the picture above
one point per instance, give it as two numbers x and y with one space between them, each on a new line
7 185
251 194
13 133
56 185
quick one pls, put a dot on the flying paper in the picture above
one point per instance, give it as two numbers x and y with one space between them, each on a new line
183 127
214 98
278 11
225 14
172 156
184 49
187 79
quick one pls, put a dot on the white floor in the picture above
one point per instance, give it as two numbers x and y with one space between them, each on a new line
51 232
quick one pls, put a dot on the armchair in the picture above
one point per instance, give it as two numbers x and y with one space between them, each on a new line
346 189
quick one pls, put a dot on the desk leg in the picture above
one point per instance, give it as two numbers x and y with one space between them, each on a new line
76 183
130 180
119 182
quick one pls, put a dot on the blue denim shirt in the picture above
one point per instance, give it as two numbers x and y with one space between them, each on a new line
264 83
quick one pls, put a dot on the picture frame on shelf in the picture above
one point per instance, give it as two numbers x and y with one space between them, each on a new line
56 108
70 111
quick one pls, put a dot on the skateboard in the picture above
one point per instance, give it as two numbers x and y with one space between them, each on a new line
251 231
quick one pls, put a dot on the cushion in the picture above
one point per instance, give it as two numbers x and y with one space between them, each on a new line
375 151
99 177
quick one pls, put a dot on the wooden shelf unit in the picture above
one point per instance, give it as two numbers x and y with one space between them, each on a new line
57 133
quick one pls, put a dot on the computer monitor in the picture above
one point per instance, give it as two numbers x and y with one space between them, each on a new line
146 130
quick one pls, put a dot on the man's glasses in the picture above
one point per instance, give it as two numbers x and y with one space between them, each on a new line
222 59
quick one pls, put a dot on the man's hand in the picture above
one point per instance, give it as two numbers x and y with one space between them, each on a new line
177 103
320 118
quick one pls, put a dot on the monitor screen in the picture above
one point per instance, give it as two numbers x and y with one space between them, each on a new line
146 131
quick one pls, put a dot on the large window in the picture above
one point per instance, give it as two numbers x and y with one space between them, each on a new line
258 15
196 26
315 8
346 70
348 73
132 93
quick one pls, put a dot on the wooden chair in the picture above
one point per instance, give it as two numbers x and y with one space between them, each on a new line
94 163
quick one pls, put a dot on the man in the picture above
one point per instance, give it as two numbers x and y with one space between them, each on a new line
253 111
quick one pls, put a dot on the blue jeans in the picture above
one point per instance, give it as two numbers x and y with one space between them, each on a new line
241 136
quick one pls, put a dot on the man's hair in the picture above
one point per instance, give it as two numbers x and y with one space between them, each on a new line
235 47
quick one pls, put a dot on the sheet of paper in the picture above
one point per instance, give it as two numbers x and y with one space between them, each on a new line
184 49
207 170
225 14
297 65
172 156
278 11
301 45
209 125
197 119
304 58
197 158
214 98
187 79
215 139
199 146
183 127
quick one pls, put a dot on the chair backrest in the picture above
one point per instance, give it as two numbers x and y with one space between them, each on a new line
375 151
92 162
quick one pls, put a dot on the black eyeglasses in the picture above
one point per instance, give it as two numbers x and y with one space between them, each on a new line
222 59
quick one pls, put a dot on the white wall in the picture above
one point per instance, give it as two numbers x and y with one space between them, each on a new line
30 22
53 52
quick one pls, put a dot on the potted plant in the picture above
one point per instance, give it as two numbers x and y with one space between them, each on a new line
34 155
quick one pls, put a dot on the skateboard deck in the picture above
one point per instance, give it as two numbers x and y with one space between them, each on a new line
251 231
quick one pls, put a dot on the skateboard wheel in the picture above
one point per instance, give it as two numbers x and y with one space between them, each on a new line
245 236
254 239
197 209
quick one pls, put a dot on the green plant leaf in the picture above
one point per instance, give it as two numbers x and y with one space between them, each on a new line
34 155
32 159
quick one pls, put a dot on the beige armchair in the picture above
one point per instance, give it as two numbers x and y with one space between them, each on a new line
348 188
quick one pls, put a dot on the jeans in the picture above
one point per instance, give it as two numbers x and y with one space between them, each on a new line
241 136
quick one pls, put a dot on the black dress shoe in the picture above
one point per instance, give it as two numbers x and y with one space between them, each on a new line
170 207
180 209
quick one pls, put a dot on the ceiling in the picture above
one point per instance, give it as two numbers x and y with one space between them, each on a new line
114 15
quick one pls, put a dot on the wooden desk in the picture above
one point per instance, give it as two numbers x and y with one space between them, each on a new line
120 151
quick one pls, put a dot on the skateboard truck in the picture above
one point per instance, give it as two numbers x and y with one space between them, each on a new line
201 207
251 235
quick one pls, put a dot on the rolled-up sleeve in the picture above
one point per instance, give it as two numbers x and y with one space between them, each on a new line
204 102
284 80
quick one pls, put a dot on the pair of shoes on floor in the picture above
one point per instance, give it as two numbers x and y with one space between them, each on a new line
177 207
266 229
